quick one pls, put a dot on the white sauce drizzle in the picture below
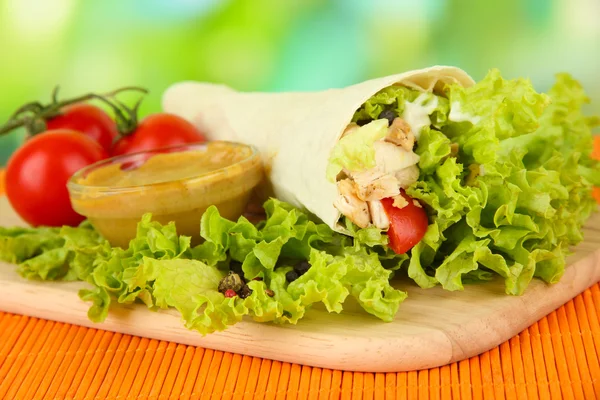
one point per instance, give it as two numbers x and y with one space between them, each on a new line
457 115
416 114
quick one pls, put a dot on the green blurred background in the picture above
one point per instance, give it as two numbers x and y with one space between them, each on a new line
276 45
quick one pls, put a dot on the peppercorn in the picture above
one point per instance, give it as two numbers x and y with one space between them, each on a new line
244 292
269 292
291 276
387 114
230 293
230 281
302 267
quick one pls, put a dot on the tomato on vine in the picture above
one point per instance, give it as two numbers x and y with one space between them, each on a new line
37 175
156 131
65 136
88 119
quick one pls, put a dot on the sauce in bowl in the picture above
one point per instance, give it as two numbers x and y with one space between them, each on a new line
174 184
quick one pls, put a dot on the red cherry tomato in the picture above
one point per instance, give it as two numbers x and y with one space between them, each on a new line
158 131
37 175
407 224
88 119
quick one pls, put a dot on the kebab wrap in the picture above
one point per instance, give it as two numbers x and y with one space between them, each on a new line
503 173
316 155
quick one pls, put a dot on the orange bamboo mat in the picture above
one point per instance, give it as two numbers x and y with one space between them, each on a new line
556 358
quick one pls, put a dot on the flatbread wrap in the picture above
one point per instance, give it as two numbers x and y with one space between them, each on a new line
486 162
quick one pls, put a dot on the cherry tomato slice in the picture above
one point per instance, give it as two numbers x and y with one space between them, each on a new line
407 224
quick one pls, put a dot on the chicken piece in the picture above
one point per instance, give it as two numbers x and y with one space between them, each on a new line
399 202
350 205
407 176
378 215
400 133
391 158
374 184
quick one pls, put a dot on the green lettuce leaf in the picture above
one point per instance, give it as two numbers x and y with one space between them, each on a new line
392 98
65 253
20 244
161 270
514 199
355 151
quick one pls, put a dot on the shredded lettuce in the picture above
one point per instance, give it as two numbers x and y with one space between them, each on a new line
394 98
421 110
355 151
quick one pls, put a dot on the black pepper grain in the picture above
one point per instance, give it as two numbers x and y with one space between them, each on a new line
291 276
387 114
244 292
302 267
230 281
269 292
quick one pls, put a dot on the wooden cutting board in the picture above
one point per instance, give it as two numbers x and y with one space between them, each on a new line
433 328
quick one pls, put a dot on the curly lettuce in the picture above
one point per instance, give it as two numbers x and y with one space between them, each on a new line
515 198
355 151
162 270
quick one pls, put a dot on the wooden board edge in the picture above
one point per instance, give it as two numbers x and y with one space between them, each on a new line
578 277
285 344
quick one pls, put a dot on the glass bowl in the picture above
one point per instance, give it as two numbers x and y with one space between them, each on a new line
174 184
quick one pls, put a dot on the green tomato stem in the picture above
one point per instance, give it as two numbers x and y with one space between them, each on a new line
34 115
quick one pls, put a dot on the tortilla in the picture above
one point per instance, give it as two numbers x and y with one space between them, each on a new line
294 131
